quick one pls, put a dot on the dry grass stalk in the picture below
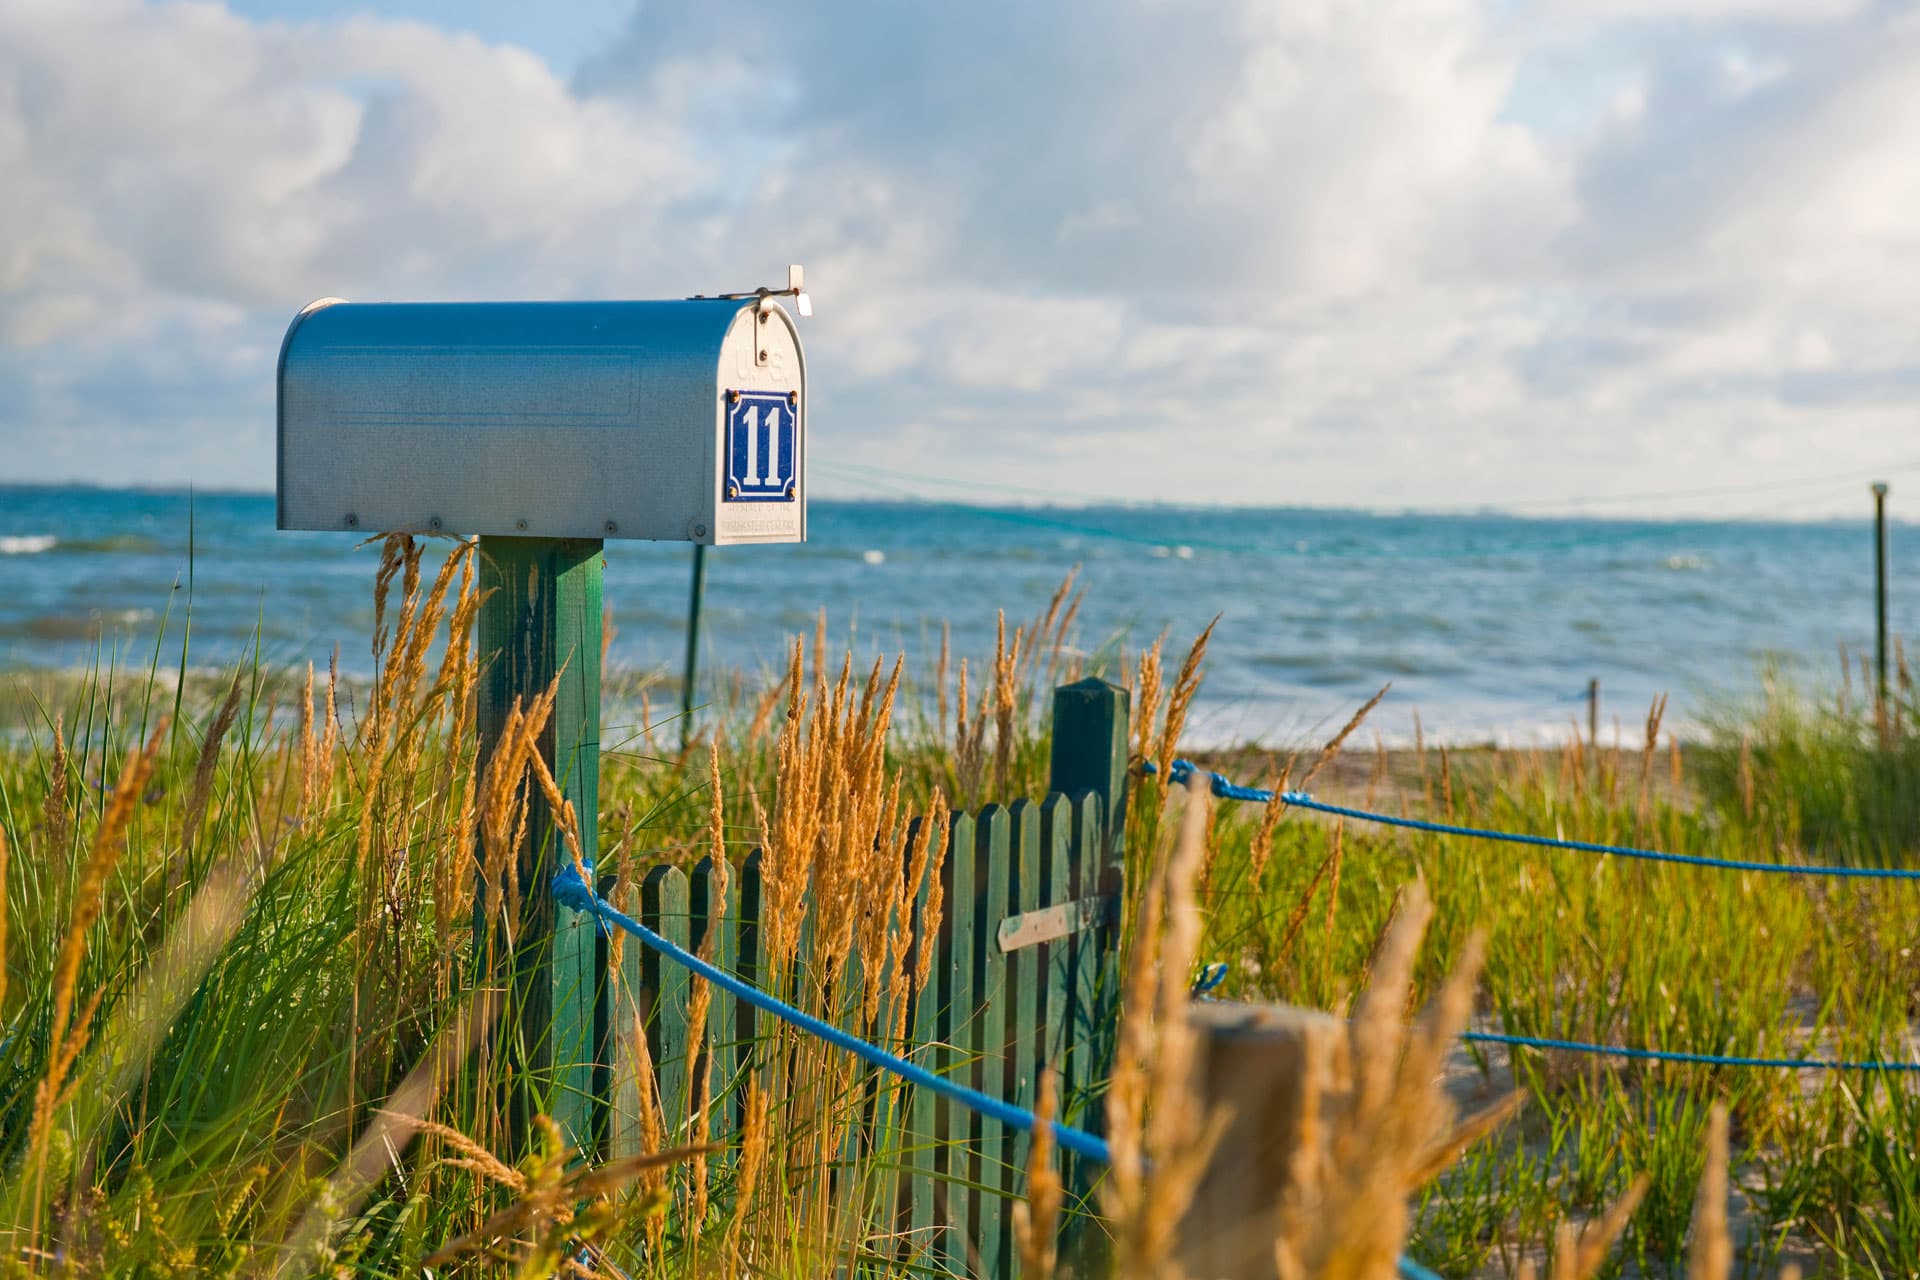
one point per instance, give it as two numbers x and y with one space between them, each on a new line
1006 668
928 929
562 1210
1338 740
330 739
969 743
468 1154
753 1159
59 815
1649 747
763 709
1710 1252
1746 776
388 1132
1055 627
502 806
200 791
940 678
1344 1212
1036 1220
143 1015
1261 849
820 646
1580 1254
1334 857
1298 918
1146 704
460 672
1186 686
1377 776
308 746
1157 1131
653 1120
66 1037
700 997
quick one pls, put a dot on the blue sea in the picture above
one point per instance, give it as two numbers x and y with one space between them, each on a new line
1489 627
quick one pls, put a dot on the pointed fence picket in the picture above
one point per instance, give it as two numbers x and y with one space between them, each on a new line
1023 976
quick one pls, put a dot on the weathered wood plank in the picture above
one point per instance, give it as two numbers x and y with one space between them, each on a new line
958 1031
990 1138
922 1132
714 1055
747 1024
1026 976
664 908
1056 845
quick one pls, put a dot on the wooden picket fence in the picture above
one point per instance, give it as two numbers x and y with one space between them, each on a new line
1024 974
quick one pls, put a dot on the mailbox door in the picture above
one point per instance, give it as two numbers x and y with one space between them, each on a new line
760 480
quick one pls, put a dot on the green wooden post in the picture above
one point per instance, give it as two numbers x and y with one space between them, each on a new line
542 620
1089 764
1090 750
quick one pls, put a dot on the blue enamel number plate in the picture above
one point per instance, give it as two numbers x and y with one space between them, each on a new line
762 444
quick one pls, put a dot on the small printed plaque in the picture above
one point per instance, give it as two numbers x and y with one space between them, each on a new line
763 439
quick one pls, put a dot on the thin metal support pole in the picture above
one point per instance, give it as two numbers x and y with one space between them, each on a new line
1880 587
693 643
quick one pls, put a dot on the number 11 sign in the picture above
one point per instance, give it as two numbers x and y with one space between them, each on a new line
761 449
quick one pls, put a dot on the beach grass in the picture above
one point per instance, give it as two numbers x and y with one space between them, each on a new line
245 1032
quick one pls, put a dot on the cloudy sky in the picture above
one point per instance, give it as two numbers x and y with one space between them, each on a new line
1442 253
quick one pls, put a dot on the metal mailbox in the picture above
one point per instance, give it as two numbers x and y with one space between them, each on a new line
679 421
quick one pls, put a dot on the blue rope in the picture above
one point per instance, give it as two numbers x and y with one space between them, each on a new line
570 891
1705 1059
1182 770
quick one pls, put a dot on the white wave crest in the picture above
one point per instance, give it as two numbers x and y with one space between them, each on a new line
26 544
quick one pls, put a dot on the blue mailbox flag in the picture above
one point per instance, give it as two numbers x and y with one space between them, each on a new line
762 447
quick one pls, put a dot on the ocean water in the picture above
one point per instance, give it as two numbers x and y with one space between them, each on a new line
1488 627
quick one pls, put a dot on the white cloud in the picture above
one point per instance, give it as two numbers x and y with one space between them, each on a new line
1408 251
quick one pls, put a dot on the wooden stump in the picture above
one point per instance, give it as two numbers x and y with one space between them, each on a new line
1271 1067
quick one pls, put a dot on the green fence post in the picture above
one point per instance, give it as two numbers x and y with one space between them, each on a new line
541 620
1089 765
1090 751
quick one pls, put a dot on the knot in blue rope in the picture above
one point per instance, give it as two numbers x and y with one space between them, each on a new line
1211 976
